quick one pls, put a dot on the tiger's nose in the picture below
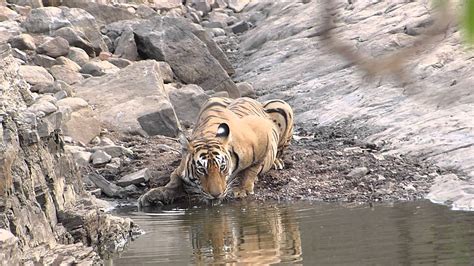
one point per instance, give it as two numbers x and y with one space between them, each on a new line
216 194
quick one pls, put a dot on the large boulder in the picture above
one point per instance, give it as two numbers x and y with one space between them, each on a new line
49 19
126 46
104 14
187 101
172 40
131 99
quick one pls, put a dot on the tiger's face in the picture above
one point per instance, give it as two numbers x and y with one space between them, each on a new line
209 168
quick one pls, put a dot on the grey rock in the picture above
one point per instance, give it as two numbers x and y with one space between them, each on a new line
45 19
23 42
100 157
240 27
104 141
216 32
55 47
61 95
68 63
83 125
126 46
214 24
7 14
43 106
19 54
99 68
220 4
114 150
358 172
69 76
202 5
44 60
119 106
246 90
36 75
74 103
48 124
57 86
49 19
75 38
106 187
166 72
30 3
82 158
219 17
141 176
145 11
160 37
103 13
187 101
161 122
9 248
166 4
78 55
237 5
119 62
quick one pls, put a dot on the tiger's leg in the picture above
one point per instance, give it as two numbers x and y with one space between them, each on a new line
163 195
248 177
279 164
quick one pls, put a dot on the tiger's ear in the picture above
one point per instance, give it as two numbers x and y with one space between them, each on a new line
185 145
223 132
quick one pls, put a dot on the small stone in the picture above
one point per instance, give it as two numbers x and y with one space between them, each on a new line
246 90
55 47
120 62
114 165
60 95
145 11
166 72
36 75
99 68
135 178
64 61
65 74
19 54
202 5
114 150
44 60
237 5
126 46
74 102
104 55
23 42
358 172
100 157
78 55
43 106
240 27
82 158
75 38
104 141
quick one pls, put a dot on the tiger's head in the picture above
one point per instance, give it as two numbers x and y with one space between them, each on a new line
208 164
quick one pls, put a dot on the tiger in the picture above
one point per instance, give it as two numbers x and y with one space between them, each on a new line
232 143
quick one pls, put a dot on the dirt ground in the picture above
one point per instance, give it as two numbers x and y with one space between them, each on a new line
322 164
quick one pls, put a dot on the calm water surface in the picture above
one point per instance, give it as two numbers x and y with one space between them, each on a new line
302 233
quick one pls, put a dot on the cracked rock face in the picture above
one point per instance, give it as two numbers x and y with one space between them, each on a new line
43 205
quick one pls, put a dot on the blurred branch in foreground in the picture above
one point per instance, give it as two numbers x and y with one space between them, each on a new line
392 63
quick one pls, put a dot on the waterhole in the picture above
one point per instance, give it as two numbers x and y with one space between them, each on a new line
303 233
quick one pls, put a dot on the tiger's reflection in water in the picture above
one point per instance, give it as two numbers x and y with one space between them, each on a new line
248 235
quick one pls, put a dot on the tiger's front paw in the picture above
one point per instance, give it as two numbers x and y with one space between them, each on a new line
278 164
242 192
157 197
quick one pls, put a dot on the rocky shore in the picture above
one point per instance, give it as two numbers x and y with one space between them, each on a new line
93 94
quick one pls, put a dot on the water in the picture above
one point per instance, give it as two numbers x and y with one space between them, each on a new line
303 233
